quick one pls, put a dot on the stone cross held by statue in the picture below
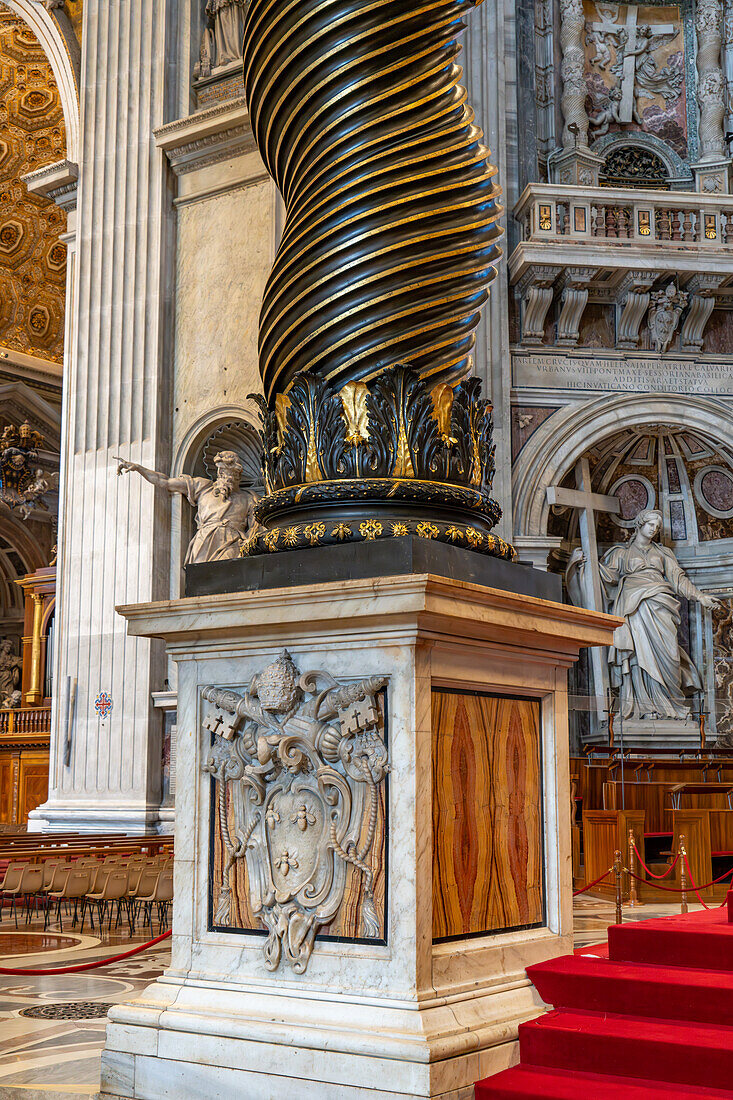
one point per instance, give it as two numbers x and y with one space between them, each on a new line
588 503
628 78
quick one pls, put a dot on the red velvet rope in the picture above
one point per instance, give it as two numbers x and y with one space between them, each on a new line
692 884
643 864
594 883
90 965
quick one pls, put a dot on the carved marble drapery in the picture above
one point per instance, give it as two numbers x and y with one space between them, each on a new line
710 84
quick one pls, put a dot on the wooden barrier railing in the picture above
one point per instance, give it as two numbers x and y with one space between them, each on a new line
25 720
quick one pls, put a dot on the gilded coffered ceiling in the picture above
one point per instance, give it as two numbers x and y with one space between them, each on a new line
32 258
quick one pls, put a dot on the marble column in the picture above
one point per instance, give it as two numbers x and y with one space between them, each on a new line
712 172
114 532
575 163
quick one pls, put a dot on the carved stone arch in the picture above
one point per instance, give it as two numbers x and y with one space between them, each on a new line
678 171
559 442
56 36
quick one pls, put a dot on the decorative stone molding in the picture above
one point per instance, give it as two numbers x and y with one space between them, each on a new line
702 302
218 133
304 758
58 182
574 300
536 293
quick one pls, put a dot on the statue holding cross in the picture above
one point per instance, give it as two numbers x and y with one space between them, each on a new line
640 581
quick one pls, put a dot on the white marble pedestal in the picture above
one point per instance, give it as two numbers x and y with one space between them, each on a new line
407 1019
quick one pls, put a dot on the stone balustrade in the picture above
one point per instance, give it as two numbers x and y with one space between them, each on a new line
620 247
681 219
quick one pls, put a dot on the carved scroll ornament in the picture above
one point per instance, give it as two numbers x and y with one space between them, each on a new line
303 759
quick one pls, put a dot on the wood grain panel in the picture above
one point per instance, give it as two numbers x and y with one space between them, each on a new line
487 814
33 783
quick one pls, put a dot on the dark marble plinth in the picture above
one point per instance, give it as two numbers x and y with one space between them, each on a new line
357 561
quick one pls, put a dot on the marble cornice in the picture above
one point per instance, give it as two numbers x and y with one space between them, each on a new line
207 137
422 604
58 182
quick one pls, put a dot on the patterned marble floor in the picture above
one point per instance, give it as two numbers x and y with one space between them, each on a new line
57 1056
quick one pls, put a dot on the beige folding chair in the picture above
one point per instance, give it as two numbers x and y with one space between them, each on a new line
113 890
30 882
75 887
11 879
161 895
143 889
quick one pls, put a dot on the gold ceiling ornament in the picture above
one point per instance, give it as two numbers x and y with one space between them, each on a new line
32 257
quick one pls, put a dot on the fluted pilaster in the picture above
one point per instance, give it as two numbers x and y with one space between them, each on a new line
114 533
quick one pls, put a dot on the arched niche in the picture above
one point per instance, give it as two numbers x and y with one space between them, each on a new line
564 437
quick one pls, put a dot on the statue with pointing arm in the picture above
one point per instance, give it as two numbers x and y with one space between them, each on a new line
224 509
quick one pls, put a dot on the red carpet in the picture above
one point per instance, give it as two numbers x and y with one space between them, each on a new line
653 1020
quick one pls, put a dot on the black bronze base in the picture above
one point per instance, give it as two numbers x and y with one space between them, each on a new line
369 558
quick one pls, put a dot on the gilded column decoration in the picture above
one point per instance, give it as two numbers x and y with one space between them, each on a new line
302 759
372 426
710 83
35 689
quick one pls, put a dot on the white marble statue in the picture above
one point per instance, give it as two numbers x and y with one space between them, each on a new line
224 510
10 667
641 581
227 17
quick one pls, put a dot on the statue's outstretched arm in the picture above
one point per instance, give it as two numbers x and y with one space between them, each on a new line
161 481
684 586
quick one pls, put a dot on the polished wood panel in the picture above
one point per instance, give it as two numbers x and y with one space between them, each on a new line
33 783
487 815
605 832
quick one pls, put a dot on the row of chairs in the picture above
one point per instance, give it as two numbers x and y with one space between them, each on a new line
134 884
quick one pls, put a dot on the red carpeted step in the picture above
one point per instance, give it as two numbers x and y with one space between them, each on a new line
530 1083
600 985
631 1046
702 940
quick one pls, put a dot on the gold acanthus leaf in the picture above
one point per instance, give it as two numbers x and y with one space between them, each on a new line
353 399
282 404
442 398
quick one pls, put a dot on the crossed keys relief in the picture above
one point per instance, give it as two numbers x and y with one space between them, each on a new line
302 758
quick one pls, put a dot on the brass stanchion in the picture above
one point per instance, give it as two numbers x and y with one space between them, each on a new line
633 897
617 869
683 873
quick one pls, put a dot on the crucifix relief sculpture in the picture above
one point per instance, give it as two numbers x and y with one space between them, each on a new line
635 66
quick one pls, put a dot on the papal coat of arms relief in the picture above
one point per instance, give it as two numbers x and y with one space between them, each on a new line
298 763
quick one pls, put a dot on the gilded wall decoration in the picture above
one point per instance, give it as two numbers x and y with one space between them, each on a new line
298 809
635 75
32 258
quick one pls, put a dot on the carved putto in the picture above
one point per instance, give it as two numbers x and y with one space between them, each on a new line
664 314
301 760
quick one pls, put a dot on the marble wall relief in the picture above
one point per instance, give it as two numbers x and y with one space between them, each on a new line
635 71
299 818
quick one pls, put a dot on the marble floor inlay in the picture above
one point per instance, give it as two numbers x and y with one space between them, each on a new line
52 1027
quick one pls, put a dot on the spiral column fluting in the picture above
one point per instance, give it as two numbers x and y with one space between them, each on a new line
388 250
390 239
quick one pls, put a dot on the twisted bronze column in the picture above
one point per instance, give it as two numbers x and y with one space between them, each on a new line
388 250
390 239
